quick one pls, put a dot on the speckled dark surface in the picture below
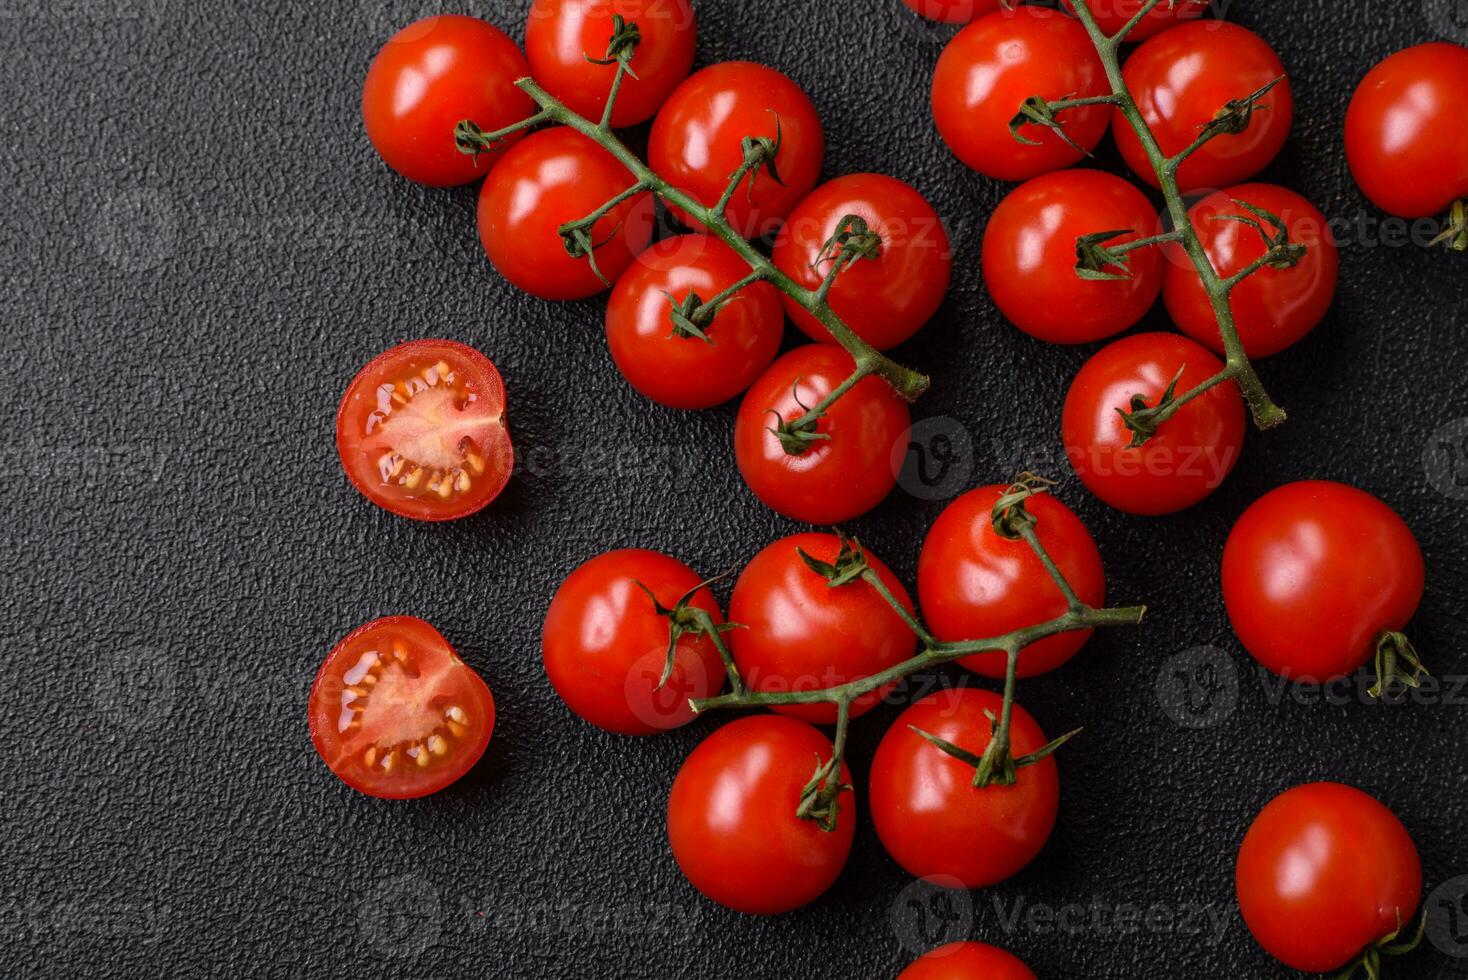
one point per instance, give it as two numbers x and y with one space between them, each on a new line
199 250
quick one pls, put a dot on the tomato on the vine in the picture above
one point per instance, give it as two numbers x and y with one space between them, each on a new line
851 464
1030 253
798 633
967 961
549 179
567 39
732 820
1315 573
697 143
974 583
1112 15
1191 453
430 76
884 297
605 642
1273 308
395 713
1405 138
929 815
992 66
421 431
1324 873
1182 78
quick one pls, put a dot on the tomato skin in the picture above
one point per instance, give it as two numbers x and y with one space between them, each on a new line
952 11
799 634
359 670
967 961
731 817
1113 15
885 299
1191 454
1314 573
686 372
697 142
550 178
926 810
561 34
364 430
974 584
1323 873
839 478
1274 308
426 79
1405 141
605 645
1181 78
992 66
1029 256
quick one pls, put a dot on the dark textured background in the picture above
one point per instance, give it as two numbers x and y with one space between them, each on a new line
199 250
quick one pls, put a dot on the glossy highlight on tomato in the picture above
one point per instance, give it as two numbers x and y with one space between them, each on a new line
421 431
967 961
1113 15
395 713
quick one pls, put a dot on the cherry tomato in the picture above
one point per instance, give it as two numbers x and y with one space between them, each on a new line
1030 256
838 478
975 584
1314 573
992 66
1113 15
732 822
1273 308
1324 872
927 812
1180 80
885 298
421 431
395 713
967 961
1191 453
551 178
952 11
677 368
430 76
565 38
605 644
800 634
697 142
1405 140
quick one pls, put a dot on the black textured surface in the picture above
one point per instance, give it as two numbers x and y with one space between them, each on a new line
199 250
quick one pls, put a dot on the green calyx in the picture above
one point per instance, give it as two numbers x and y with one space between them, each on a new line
1455 230
1009 514
1237 114
1281 253
1397 663
997 766
1371 958
847 568
1036 111
820 799
1143 419
626 36
685 619
760 153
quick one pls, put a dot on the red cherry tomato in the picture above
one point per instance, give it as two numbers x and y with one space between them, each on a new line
1030 256
800 634
887 298
967 961
1113 15
1314 573
395 713
679 369
992 66
1405 139
605 644
565 38
1191 454
732 822
421 431
927 812
697 142
838 478
952 11
430 76
1273 308
1324 872
1180 80
974 584
551 178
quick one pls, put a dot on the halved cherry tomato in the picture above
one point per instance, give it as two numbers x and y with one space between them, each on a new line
952 11
885 298
671 365
395 713
421 431
967 961
566 38
1113 15
427 78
